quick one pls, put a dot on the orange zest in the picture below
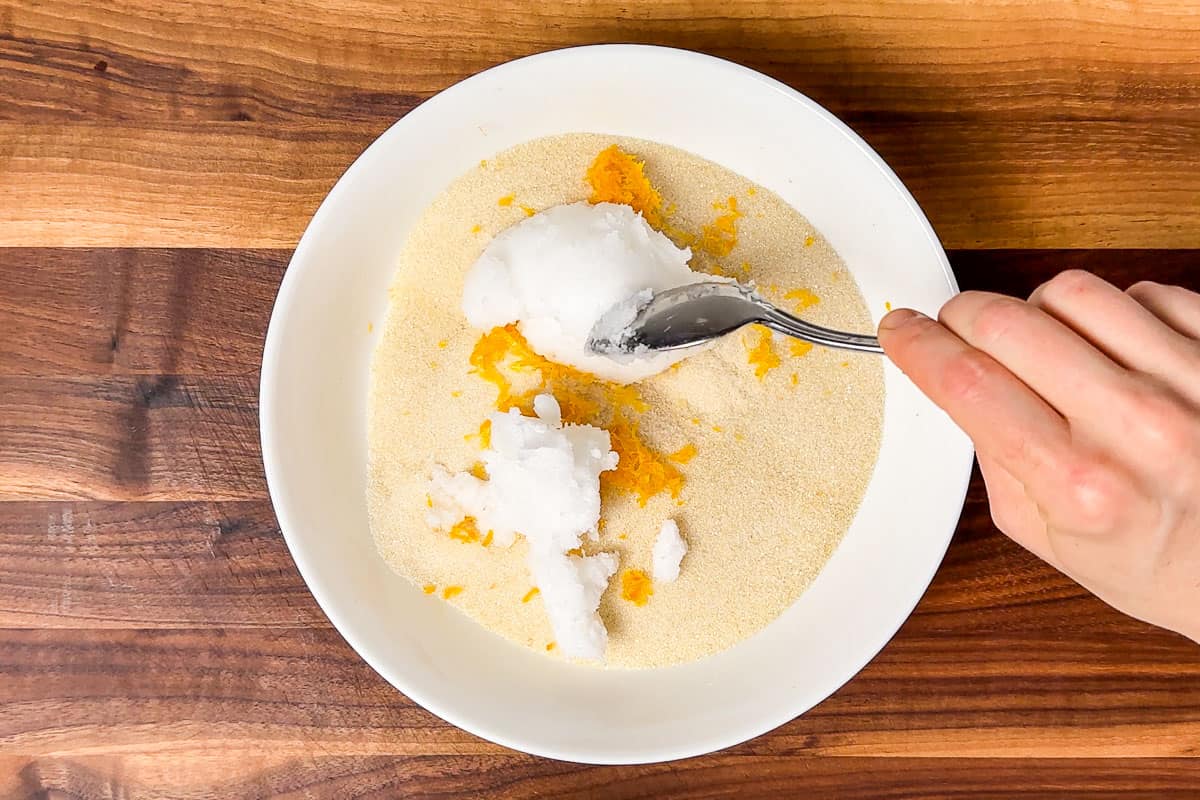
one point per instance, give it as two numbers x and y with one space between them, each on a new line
532 593
636 586
799 348
617 177
803 297
465 530
684 454
762 356
719 237
451 591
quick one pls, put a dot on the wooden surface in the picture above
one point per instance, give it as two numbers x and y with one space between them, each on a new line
159 160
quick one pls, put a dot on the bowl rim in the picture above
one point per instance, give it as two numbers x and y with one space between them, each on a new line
268 401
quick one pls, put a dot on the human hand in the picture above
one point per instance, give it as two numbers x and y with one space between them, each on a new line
1084 406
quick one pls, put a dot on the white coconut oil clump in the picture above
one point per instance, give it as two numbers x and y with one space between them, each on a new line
543 481
557 272
669 550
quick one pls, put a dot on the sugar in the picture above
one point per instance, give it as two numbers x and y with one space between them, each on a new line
557 272
543 481
754 544
669 550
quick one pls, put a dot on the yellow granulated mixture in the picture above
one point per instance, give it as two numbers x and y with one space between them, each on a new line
769 472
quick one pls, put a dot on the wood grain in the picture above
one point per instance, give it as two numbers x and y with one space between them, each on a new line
513 777
301 61
126 438
148 565
135 312
992 184
987 694
157 163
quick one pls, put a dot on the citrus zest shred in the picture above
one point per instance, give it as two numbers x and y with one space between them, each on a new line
636 586
465 530
717 429
808 241
450 591
640 471
719 237
803 297
487 538
887 305
762 356
428 501
549 646
506 201
429 588
479 471
476 228
442 344
532 593
795 379
617 177
751 191
529 212
684 454
800 349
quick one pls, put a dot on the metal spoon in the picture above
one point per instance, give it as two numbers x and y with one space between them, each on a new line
699 312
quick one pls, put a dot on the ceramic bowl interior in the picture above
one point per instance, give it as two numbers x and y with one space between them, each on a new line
314 395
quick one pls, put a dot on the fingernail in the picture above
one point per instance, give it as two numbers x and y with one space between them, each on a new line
898 318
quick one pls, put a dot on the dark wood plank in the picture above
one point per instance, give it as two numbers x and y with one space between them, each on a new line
287 62
514 777
984 184
195 311
1078 693
1019 272
148 565
135 312
130 438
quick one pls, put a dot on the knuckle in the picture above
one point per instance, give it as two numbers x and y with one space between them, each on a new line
1143 289
1069 284
998 317
967 376
1164 427
1096 496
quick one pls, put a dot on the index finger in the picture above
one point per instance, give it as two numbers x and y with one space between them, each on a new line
1003 416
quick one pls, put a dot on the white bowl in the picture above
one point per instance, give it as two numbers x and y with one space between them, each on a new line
314 397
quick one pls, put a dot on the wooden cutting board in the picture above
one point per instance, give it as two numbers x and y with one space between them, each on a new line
159 160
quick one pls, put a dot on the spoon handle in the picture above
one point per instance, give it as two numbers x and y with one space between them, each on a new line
779 320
